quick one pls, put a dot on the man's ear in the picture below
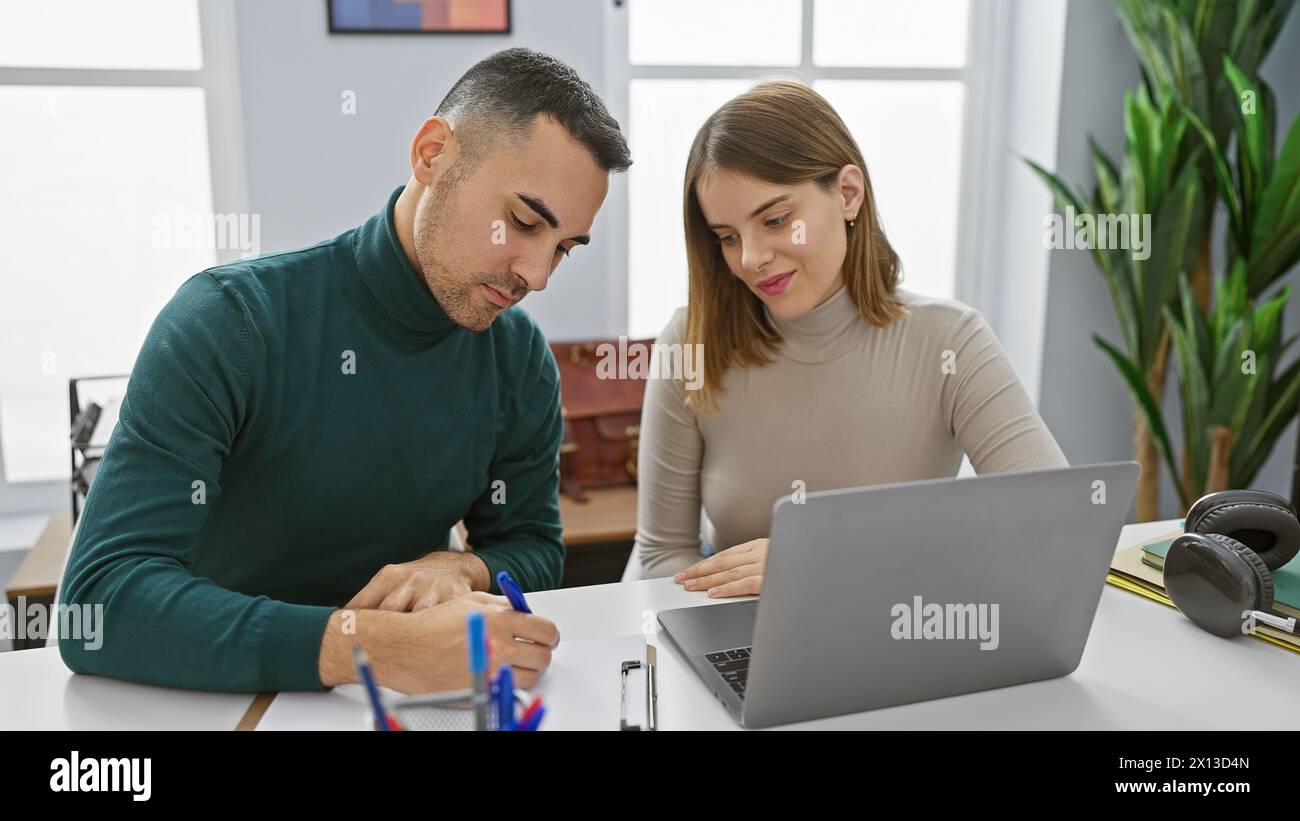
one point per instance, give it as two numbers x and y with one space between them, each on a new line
852 185
434 148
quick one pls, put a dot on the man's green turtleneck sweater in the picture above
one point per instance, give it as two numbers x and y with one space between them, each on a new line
294 423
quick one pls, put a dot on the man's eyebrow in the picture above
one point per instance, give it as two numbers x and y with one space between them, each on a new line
545 213
760 209
541 208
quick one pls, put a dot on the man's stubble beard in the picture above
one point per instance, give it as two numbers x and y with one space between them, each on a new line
454 293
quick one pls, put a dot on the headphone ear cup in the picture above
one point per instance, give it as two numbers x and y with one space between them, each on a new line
1213 579
1262 521
1265 600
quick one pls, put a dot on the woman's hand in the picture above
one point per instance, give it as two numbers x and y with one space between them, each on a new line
736 571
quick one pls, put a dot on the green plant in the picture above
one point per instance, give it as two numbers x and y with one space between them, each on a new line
1159 177
1232 417
1201 92
1234 404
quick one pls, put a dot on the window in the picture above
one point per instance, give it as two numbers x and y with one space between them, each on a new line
134 34
106 163
904 77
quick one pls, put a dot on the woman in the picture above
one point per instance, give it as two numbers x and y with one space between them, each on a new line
819 371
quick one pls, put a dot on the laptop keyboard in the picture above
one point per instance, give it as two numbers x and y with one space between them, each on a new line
733 666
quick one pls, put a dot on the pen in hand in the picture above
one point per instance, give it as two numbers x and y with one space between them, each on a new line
513 592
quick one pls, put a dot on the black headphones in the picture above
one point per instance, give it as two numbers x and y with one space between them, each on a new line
1217 572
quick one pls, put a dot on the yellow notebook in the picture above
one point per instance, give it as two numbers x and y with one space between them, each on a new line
1129 572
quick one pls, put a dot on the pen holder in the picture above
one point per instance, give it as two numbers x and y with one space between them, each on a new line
441 712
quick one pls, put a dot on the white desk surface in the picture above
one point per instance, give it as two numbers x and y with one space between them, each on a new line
38 692
1145 667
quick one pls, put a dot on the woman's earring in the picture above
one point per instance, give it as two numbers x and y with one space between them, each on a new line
851 223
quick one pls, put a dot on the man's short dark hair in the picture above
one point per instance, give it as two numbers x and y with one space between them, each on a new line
502 95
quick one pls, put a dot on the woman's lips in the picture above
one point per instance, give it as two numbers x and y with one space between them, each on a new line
774 285
497 297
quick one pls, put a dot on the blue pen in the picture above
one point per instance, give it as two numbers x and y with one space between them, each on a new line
513 592
478 665
505 698
367 677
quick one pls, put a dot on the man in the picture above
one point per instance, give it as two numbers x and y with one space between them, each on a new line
302 431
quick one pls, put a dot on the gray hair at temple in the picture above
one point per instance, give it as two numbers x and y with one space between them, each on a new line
501 95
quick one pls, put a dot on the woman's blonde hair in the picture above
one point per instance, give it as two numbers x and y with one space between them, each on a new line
782 132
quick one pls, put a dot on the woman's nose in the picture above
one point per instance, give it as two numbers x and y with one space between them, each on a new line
754 255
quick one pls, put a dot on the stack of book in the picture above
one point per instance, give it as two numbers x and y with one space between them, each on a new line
1140 569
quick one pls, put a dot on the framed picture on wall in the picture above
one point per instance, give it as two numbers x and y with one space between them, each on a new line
419 16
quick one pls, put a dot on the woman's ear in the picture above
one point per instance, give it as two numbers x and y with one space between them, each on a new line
435 143
852 186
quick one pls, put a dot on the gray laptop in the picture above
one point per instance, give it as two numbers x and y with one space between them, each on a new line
893 594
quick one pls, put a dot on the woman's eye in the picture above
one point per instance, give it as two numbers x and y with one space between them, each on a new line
560 249
777 222
728 239
524 226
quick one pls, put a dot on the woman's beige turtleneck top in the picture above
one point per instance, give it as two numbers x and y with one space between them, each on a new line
845 404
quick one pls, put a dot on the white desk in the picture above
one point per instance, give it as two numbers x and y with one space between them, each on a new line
38 692
1145 667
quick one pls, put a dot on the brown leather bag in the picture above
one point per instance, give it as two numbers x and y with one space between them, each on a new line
602 418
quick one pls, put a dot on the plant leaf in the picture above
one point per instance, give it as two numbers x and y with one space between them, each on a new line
1195 392
1117 281
1144 401
1275 235
1222 176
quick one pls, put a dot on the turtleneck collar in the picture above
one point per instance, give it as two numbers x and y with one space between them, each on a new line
824 333
387 289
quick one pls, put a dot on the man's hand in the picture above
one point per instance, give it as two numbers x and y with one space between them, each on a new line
736 571
439 577
425 652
